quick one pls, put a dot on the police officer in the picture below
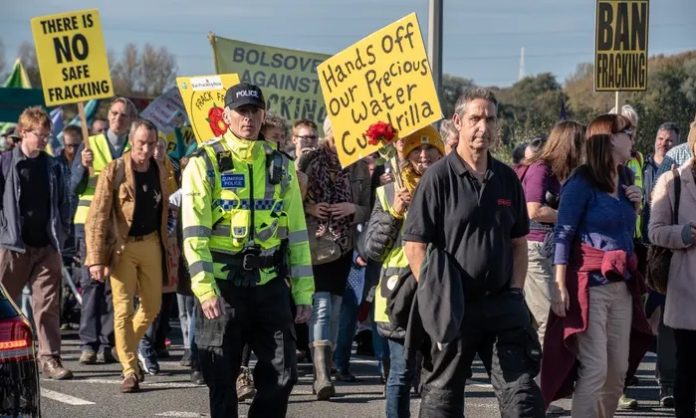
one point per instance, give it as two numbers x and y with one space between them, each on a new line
245 242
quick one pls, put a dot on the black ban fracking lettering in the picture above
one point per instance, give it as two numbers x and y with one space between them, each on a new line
621 70
60 24
627 31
80 90
69 47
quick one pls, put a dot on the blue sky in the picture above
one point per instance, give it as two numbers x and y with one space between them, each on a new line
482 40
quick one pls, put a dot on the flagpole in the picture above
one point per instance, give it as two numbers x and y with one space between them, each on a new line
83 125
616 102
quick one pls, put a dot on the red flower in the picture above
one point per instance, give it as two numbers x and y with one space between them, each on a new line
380 132
216 122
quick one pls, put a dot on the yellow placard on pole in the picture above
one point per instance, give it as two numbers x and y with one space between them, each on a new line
204 99
621 45
384 77
72 57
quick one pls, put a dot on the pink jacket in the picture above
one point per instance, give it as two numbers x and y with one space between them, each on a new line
680 309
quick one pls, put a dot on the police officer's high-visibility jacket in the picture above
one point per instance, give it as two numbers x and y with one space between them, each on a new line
636 166
220 214
383 243
99 145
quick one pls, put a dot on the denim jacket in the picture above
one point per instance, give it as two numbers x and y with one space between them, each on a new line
10 214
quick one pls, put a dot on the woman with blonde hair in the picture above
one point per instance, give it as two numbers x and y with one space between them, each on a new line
679 236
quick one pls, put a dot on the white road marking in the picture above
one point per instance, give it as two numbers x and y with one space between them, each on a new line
61 397
146 383
180 414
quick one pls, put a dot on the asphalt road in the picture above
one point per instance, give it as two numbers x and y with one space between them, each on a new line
94 392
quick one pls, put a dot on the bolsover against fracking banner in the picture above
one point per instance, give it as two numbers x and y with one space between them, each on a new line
385 77
621 52
287 77
204 100
72 57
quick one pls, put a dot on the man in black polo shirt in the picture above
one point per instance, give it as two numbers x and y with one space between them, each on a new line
472 206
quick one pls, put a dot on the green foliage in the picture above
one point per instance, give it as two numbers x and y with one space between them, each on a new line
532 106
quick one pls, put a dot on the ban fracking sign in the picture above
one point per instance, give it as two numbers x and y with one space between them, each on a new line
204 100
72 57
385 77
621 51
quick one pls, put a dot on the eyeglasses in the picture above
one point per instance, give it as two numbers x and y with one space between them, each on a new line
305 137
40 136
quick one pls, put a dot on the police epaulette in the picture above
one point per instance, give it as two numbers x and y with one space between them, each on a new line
201 147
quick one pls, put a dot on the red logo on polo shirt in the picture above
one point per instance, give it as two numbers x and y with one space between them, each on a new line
504 202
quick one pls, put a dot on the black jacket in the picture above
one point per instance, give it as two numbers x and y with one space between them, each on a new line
438 308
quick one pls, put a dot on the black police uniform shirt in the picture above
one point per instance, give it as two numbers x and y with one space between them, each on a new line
473 220
148 202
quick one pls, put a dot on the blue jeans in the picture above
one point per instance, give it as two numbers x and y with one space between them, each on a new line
398 382
346 331
326 310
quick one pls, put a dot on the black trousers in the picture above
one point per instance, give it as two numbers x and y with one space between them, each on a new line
504 320
685 376
97 312
260 316
156 335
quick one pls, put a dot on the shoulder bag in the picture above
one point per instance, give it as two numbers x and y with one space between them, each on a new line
659 258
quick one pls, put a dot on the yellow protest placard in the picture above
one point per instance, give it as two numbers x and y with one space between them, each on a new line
204 99
72 57
385 77
621 51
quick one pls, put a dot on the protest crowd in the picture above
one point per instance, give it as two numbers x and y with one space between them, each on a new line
550 271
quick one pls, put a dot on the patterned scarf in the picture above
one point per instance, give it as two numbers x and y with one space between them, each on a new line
329 183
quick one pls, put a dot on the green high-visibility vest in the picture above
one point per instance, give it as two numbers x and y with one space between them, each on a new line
99 145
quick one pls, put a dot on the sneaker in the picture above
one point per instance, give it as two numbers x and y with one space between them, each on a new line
149 361
666 397
108 356
245 385
130 384
88 357
627 403
197 377
185 359
53 368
